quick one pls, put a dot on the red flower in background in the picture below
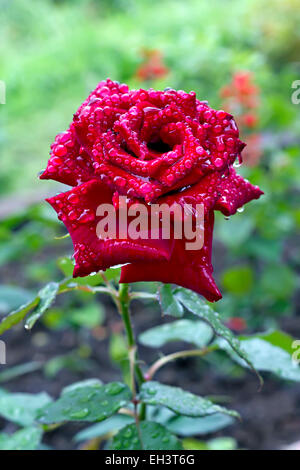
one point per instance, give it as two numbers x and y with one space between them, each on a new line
151 146
242 90
253 151
241 97
237 324
153 66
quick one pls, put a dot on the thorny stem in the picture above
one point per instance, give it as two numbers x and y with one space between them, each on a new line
171 357
122 301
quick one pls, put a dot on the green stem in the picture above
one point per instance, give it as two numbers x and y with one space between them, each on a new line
123 301
180 354
125 313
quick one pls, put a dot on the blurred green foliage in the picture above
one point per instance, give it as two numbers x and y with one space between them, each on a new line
54 53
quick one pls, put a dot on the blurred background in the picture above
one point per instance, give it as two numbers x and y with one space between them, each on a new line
240 56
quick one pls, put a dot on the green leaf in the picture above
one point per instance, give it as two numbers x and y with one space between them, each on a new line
47 296
186 426
118 351
39 305
21 408
113 274
180 401
201 309
264 249
18 315
238 280
86 403
219 443
222 443
266 357
12 297
73 361
190 331
88 316
278 282
235 232
277 338
168 302
66 266
25 439
151 436
146 287
112 424
16 371
190 443
81 384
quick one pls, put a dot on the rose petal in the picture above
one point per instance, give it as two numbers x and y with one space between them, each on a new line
68 163
204 192
235 191
77 209
152 147
186 268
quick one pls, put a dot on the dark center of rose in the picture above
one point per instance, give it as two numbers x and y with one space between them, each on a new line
159 146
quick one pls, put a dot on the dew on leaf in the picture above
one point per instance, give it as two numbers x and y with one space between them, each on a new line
80 414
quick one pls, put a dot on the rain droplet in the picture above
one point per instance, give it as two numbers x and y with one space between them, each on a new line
114 389
128 433
80 414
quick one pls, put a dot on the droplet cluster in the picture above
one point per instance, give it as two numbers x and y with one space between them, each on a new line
143 143
152 147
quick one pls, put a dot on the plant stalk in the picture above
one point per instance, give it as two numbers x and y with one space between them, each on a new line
122 302
180 354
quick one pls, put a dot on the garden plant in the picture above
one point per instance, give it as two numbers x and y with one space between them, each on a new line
147 146
131 340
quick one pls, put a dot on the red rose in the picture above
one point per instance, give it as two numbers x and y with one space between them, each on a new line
153 147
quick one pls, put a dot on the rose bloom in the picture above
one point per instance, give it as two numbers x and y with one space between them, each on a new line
152 147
